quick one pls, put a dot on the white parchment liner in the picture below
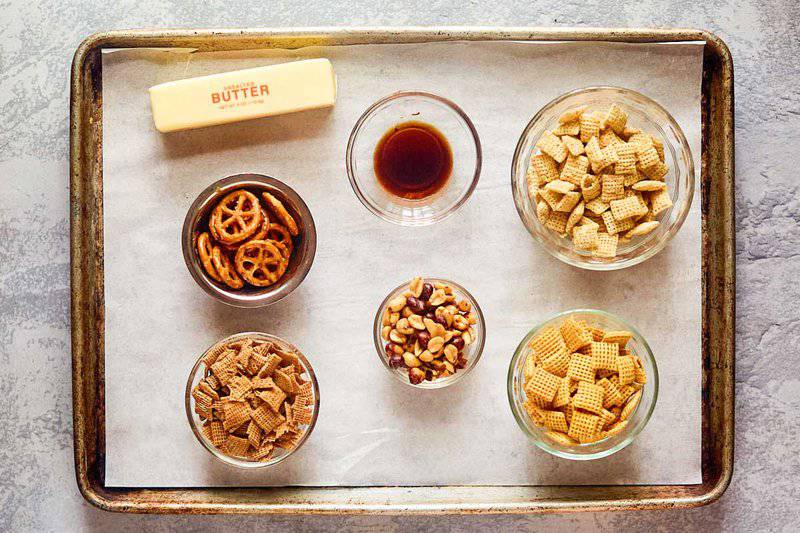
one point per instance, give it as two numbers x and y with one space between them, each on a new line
372 430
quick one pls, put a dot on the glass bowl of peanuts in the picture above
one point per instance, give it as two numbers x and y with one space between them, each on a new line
429 333
252 400
583 384
603 178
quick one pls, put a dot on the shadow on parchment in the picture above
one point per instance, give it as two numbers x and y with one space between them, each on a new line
269 132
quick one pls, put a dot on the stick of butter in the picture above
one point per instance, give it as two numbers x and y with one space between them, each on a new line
243 95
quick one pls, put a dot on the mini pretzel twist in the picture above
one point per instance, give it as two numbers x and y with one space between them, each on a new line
205 250
260 263
280 234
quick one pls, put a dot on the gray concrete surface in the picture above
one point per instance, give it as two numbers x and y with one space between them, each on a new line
37 40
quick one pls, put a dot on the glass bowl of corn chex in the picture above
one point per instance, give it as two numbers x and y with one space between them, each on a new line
583 384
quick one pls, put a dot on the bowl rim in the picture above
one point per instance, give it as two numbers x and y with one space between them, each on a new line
685 206
531 431
219 454
275 292
472 362
354 182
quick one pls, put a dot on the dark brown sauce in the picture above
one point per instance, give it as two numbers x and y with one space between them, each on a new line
413 160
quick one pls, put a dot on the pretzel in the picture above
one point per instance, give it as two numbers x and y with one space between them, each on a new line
222 264
277 207
280 234
236 217
260 263
204 250
262 229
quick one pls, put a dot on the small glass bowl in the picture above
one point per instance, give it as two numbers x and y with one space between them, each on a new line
199 371
299 263
472 352
643 113
594 450
416 106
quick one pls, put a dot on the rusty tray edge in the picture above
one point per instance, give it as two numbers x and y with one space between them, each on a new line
87 312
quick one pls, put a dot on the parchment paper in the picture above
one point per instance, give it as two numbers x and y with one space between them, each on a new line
373 430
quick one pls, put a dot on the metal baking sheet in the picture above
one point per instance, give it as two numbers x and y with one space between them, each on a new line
418 499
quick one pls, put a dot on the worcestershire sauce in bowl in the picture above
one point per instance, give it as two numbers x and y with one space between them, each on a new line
413 160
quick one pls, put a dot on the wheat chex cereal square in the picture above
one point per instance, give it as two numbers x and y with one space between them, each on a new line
551 145
562 396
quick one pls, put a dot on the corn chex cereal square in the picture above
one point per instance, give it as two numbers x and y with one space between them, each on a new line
580 368
545 167
648 158
626 368
562 396
575 335
551 145
543 385
619 337
547 342
556 363
555 420
584 426
589 397
612 395
575 216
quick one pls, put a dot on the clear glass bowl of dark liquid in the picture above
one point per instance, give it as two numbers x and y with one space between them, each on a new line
413 158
